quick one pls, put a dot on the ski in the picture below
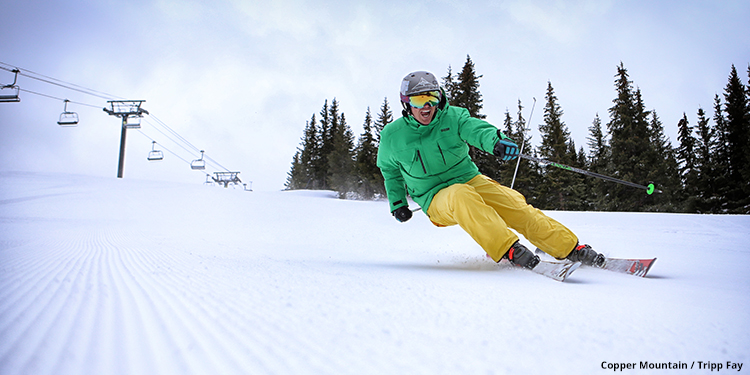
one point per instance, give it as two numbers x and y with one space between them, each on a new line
555 270
635 267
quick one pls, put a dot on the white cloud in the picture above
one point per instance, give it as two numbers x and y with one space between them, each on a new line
559 20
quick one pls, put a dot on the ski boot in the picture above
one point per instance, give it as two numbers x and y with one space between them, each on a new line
519 255
586 255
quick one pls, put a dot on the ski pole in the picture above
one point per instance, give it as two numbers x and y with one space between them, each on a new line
650 188
523 143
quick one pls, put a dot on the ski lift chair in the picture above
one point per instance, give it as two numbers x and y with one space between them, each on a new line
198 164
10 93
154 154
68 118
133 122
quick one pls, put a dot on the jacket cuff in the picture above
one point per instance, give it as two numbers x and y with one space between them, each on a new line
502 136
399 203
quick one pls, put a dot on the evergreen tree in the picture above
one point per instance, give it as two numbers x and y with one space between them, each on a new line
738 136
304 165
686 160
581 189
333 113
664 170
293 179
598 148
558 185
465 93
629 144
597 162
652 157
506 172
554 133
325 148
310 155
370 179
707 197
529 173
385 117
450 86
341 159
720 152
467 90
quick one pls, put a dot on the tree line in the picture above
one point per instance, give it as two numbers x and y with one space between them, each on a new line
329 159
707 172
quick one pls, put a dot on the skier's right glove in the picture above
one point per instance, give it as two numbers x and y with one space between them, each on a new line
402 214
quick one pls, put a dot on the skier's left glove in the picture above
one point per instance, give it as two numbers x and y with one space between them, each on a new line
506 149
402 214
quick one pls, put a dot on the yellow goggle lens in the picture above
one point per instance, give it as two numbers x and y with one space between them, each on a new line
418 101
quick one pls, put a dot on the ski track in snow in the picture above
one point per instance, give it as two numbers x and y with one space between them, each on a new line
129 277
109 299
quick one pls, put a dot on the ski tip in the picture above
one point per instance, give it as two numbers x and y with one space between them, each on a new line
639 267
565 271
573 267
648 267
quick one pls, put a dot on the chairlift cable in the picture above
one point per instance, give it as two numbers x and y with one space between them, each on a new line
61 83
215 162
206 157
103 95
61 99
162 123
168 137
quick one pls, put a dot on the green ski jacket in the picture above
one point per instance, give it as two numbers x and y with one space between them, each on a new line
423 159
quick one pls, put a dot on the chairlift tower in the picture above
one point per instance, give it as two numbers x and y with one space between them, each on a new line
130 112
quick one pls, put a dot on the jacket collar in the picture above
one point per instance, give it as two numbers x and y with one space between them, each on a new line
412 122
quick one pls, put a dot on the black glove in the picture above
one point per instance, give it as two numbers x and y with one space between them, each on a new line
402 214
506 149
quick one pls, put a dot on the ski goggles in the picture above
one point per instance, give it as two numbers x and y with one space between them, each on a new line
420 100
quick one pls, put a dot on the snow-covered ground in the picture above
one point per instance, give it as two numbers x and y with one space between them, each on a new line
108 276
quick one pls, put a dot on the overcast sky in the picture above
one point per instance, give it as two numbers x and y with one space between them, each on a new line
239 79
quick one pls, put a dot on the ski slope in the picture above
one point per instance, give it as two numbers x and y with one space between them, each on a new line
107 276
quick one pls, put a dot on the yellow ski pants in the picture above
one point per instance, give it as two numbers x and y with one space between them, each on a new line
485 210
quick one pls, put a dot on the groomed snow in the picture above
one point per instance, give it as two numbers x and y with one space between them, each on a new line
109 276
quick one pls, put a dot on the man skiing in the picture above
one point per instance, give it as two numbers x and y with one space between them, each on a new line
425 154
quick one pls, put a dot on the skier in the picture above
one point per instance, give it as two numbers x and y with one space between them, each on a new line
425 154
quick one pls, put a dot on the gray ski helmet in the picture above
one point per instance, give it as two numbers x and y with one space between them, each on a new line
418 82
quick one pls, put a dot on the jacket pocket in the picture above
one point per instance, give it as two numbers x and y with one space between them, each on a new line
421 161
411 162
453 152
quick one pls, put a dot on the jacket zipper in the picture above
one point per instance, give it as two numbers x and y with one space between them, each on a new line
419 155
441 154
